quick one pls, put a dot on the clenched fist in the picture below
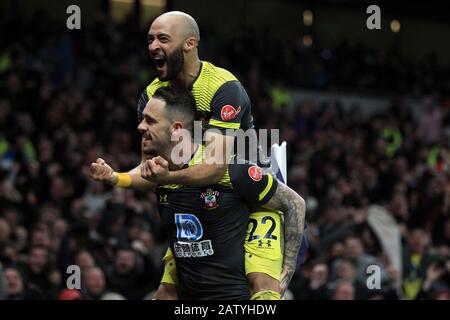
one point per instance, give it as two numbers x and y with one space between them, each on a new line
101 171
156 170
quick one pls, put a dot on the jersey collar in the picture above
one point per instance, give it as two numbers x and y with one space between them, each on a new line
198 75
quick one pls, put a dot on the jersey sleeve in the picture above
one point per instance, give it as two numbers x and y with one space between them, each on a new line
228 107
252 184
143 99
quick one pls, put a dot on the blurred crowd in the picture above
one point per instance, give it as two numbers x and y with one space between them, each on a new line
67 98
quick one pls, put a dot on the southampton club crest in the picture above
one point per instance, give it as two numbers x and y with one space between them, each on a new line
210 197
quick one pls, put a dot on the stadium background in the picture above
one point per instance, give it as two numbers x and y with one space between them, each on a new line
365 113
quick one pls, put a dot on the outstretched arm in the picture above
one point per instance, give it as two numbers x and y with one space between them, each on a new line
293 206
101 171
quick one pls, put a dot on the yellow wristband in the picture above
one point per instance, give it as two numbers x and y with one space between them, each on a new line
123 180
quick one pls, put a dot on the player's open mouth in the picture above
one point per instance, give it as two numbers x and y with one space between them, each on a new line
145 142
160 62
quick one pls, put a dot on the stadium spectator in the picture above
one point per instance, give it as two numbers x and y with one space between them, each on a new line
344 291
416 260
94 284
127 273
313 288
16 288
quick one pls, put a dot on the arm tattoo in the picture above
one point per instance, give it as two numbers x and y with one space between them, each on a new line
293 207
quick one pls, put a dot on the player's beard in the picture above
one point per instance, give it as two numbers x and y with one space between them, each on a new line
151 150
175 64
157 146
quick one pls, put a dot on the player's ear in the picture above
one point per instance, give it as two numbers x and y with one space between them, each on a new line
179 132
175 128
190 43
178 125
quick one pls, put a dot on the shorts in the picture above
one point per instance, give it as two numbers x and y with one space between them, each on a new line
170 270
264 244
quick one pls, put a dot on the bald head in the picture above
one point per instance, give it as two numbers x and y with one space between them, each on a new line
183 24
173 46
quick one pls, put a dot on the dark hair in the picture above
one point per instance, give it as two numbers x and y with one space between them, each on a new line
180 105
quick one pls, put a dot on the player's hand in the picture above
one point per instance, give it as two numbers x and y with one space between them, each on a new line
101 171
156 170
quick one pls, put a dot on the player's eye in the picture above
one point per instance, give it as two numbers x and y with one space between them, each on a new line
149 120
